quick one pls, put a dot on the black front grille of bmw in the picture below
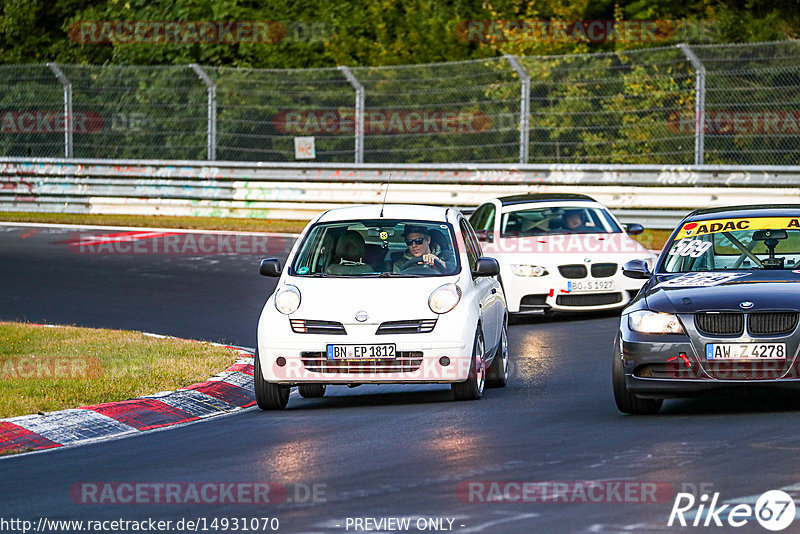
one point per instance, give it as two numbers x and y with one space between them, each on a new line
719 324
306 326
592 299
573 271
604 270
771 323
417 326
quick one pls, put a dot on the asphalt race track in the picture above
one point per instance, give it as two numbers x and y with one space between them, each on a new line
385 451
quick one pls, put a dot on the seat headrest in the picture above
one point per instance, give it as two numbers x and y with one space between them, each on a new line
350 246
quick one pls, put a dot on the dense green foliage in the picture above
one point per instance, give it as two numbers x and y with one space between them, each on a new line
380 32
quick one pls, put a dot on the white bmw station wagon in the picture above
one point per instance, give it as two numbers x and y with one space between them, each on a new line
382 294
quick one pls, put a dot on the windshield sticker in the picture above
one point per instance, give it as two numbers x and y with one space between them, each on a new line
701 279
303 270
716 226
694 248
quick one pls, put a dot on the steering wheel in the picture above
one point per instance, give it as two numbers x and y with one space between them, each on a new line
417 266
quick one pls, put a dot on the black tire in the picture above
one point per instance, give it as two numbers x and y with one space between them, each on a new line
311 391
269 396
472 387
497 376
627 402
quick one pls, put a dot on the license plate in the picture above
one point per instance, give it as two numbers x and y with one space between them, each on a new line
384 351
746 351
590 285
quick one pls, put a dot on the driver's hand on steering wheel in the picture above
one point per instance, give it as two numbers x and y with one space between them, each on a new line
431 259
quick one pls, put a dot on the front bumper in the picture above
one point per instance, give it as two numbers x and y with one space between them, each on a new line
668 365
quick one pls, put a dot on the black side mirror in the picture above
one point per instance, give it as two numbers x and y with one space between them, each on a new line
270 267
485 235
636 269
486 267
634 229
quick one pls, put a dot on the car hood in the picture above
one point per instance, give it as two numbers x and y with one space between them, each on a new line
766 290
384 299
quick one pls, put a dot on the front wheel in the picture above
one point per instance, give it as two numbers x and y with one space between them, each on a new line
269 396
472 388
627 401
497 376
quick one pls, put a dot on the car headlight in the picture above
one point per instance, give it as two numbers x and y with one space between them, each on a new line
650 322
528 270
444 298
287 299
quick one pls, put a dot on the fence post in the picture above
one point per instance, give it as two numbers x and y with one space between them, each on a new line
699 103
524 107
67 108
212 110
359 122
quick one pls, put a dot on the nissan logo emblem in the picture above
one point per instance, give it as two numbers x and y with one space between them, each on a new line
361 316
746 305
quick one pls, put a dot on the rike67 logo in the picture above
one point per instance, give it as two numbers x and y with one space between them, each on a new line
773 510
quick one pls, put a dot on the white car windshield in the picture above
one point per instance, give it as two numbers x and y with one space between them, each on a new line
768 243
557 220
377 248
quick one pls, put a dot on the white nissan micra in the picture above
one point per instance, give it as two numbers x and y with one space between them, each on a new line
382 294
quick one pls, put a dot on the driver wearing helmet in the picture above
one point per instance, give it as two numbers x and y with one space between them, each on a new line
575 221
420 248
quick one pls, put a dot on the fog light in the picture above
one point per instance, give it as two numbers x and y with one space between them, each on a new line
281 361
444 361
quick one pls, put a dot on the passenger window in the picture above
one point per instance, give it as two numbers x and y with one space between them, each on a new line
473 249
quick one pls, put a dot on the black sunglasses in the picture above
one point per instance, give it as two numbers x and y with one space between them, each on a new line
417 241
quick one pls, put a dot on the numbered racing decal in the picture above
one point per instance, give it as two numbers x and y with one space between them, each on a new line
701 279
694 248
715 226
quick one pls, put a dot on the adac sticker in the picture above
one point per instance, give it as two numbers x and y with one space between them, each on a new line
701 279
714 226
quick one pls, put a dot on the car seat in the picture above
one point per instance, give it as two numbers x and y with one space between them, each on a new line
351 249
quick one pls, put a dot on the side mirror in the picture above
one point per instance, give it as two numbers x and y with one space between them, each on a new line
634 229
485 235
270 267
486 267
636 269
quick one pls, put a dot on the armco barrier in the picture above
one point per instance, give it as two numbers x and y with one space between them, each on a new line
655 195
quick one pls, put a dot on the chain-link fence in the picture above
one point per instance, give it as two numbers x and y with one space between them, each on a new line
723 104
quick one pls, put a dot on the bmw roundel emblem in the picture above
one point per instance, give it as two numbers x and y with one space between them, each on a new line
587 260
361 316
746 305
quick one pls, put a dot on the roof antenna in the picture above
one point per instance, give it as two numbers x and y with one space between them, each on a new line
386 193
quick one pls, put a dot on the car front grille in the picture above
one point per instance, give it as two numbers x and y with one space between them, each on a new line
307 326
589 299
771 323
604 270
573 271
404 362
417 326
719 324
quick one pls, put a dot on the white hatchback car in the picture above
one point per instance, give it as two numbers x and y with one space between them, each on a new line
559 252
382 294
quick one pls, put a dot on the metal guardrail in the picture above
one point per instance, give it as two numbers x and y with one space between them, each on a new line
654 195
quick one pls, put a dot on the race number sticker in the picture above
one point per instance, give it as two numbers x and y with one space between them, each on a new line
701 279
693 248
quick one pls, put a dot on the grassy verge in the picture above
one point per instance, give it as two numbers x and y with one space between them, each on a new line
44 369
158 221
651 239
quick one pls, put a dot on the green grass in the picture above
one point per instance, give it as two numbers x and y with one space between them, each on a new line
652 239
45 369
